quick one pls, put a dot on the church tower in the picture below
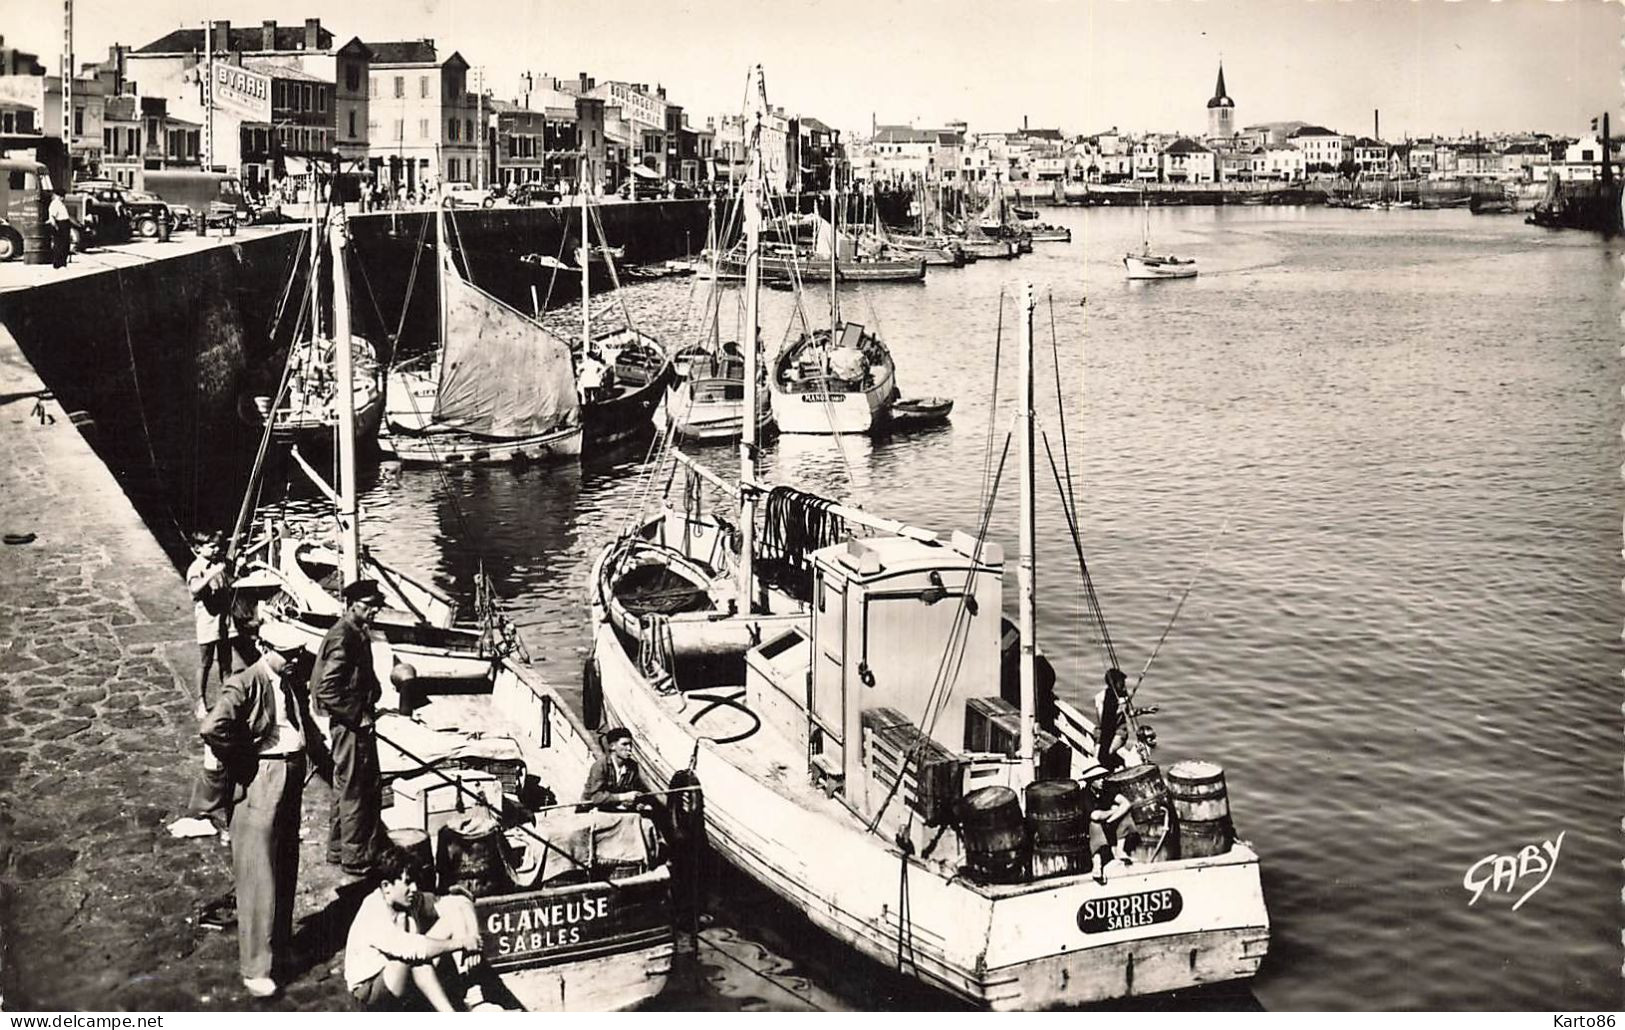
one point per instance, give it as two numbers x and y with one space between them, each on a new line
1221 111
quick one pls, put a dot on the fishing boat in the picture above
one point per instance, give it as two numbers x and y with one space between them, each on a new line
706 400
867 766
498 389
576 906
1046 232
1146 265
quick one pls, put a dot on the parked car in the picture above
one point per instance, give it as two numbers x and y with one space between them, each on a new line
215 196
537 193
148 212
465 194
110 213
640 188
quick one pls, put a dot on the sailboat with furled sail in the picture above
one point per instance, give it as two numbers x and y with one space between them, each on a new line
896 765
499 389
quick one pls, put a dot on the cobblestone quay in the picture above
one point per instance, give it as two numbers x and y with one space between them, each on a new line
99 906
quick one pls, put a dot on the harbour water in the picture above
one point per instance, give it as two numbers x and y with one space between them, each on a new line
1385 446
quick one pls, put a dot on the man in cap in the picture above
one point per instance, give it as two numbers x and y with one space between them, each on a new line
259 729
346 688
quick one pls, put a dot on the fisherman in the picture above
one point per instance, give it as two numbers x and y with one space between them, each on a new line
397 933
259 729
1109 836
346 688
614 782
595 376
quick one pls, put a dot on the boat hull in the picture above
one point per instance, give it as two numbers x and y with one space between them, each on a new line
834 412
1021 946
455 448
1158 268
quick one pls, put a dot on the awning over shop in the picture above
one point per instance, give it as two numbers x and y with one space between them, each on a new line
645 172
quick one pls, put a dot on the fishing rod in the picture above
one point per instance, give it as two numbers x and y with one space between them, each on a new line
1206 559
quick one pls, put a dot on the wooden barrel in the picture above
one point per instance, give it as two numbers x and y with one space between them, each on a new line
472 859
416 843
1143 786
1201 809
1058 826
995 836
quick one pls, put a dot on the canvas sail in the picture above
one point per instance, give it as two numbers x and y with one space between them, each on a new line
825 234
501 374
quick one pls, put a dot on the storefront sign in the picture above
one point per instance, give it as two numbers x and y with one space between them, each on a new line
242 92
1102 915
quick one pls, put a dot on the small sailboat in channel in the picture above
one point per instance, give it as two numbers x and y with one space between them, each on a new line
1146 265
498 389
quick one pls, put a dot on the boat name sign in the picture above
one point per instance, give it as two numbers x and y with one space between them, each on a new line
820 398
542 928
1100 915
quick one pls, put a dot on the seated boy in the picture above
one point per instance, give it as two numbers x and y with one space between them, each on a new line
398 932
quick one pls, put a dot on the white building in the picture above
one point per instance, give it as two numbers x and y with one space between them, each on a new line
1322 148
1284 162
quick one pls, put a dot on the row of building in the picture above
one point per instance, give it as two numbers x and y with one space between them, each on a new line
1273 151
262 102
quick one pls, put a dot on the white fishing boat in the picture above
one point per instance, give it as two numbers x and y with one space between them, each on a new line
1146 265
893 832
499 388
839 379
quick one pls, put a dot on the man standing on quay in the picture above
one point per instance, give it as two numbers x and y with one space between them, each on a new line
346 688
258 729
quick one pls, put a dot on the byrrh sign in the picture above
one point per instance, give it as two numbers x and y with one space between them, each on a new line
242 92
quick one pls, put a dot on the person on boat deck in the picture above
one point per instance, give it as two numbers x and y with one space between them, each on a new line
1117 749
397 934
219 636
596 377
260 730
346 689
1112 830
614 783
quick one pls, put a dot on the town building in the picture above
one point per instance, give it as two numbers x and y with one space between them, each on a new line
1323 149
423 121
1187 161
1284 162
34 103
1371 155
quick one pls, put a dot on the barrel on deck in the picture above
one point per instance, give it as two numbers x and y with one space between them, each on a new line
995 837
416 843
1201 809
1151 837
1058 826
471 857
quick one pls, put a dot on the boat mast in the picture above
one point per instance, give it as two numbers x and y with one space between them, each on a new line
753 278
1024 567
834 248
349 521
586 270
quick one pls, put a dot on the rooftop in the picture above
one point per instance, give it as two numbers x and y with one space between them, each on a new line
240 39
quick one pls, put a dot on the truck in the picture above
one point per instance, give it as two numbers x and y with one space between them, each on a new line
23 187
214 197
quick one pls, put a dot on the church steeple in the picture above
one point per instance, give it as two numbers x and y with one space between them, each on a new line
1221 110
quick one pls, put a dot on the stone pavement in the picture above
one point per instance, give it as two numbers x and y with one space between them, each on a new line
98 744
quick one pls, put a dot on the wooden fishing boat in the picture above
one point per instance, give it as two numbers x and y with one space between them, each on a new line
822 789
498 389
903 837
1146 265
826 383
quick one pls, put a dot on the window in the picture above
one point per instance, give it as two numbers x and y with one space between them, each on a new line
79 122
352 123
352 78
451 169
400 129
400 86
423 128
307 98
468 129
372 85
108 143
595 137
321 99
423 86
372 127
451 129
133 138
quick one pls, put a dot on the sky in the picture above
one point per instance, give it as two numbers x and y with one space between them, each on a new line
1429 66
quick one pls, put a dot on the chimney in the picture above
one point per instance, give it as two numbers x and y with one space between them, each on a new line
1376 124
582 82
1023 123
267 35
660 91
313 32
222 37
